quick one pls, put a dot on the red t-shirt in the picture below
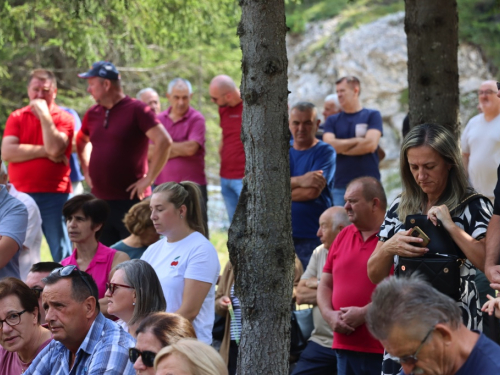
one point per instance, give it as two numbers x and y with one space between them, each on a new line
232 163
347 260
120 150
39 175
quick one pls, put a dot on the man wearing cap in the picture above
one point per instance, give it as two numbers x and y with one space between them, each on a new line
37 145
119 129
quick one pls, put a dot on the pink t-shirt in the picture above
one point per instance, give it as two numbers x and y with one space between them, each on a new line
99 267
11 364
347 260
119 146
191 127
232 159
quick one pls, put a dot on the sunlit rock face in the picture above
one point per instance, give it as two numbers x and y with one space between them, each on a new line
376 53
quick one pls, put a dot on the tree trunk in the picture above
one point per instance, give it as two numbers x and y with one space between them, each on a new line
431 27
260 237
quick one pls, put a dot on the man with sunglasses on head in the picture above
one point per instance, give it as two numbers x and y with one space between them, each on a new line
85 342
34 280
422 329
112 145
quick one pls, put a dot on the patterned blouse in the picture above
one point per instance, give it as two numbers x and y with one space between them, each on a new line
473 220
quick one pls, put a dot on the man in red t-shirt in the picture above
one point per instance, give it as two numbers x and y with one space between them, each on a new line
37 144
225 94
119 130
344 292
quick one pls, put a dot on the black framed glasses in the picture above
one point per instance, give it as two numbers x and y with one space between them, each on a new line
13 319
412 359
112 287
67 270
148 358
105 124
37 291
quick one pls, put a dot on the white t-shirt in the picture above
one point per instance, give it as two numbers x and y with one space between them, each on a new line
481 139
193 257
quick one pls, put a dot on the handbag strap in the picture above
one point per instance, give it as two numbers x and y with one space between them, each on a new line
467 200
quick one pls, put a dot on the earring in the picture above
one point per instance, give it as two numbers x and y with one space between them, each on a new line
181 216
133 303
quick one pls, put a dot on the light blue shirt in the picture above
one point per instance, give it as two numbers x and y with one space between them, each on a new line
103 351
13 224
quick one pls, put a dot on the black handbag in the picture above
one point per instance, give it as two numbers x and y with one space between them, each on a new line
441 265
301 328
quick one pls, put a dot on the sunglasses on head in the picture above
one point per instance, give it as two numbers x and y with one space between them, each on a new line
67 270
148 358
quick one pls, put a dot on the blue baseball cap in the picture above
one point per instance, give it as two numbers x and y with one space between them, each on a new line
103 69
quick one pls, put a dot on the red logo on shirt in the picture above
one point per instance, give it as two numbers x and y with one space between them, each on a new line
175 262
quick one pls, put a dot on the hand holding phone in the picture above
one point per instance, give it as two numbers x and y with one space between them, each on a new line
417 232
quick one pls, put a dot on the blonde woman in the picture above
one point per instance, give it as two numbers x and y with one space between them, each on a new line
189 357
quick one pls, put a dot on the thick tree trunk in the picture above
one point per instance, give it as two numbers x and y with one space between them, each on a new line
432 30
260 237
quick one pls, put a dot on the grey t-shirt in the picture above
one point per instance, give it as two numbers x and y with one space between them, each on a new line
13 224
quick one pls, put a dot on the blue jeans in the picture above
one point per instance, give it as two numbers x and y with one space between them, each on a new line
358 363
304 248
53 225
338 196
231 189
316 360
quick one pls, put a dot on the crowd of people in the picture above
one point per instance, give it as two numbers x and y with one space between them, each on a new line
135 284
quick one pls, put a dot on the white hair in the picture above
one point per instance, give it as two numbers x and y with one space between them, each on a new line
333 98
175 81
143 91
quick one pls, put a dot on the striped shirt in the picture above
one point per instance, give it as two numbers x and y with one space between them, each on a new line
103 351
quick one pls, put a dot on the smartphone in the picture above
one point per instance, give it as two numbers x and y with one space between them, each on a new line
417 232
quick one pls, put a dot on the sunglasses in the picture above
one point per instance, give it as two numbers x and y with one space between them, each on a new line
37 291
412 359
148 358
67 270
112 287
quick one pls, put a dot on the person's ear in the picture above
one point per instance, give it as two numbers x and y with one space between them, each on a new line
35 315
90 306
445 332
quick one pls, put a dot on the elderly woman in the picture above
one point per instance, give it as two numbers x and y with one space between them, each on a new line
21 335
133 293
186 262
434 182
189 357
141 228
155 332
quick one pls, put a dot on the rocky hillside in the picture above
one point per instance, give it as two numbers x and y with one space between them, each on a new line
376 53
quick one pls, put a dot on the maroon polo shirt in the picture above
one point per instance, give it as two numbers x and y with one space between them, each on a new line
191 127
232 159
120 149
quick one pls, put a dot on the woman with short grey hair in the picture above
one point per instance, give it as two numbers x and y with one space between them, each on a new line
134 292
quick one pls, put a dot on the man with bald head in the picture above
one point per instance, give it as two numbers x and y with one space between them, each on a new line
186 126
481 141
151 98
318 358
225 94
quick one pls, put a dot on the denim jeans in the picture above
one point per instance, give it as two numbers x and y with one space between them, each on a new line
53 225
358 363
231 189
338 196
316 360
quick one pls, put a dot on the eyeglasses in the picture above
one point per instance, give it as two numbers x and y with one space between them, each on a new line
486 92
37 291
148 358
412 359
105 125
112 287
13 319
67 270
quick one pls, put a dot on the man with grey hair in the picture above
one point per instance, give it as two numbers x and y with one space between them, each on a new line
225 94
422 329
318 358
30 252
186 126
331 106
151 98
344 292
312 166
